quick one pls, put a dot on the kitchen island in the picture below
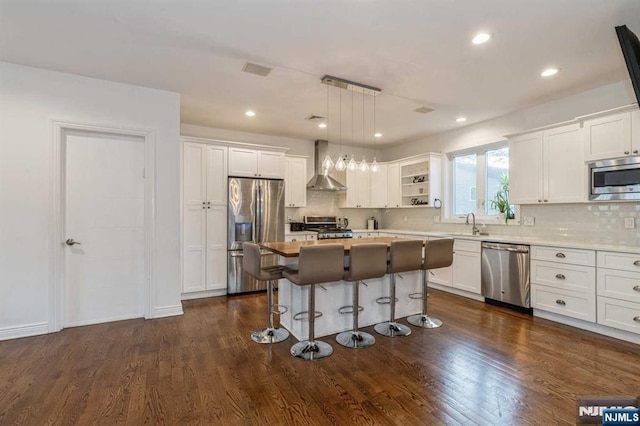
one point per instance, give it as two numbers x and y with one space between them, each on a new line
330 297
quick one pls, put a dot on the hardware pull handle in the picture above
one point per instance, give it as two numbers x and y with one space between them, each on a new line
637 288
560 255
560 276
636 319
561 302
636 263
71 242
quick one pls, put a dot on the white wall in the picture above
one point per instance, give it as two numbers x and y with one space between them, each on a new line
599 99
29 99
592 222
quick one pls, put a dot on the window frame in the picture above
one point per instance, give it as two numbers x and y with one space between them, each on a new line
481 184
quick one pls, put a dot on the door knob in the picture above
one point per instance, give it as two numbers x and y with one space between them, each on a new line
71 242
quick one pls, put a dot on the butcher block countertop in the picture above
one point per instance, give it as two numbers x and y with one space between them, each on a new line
292 248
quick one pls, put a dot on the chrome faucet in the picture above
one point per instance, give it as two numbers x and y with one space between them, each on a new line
474 229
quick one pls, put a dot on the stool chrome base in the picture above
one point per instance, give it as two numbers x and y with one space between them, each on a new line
392 329
311 351
355 339
270 335
424 321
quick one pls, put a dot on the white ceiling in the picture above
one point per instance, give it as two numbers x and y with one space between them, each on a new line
417 51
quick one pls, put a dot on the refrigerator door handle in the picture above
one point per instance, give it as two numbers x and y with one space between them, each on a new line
258 213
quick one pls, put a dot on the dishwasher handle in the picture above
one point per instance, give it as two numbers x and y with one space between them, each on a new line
506 247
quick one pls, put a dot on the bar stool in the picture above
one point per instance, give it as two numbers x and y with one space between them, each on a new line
251 264
437 254
316 265
365 261
404 256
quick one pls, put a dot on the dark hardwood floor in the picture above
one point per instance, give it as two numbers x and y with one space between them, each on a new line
486 365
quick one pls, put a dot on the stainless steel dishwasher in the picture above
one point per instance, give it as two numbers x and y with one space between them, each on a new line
505 273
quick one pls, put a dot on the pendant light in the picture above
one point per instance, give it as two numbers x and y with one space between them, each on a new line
327 163
363 167
352 165
340 164
374 164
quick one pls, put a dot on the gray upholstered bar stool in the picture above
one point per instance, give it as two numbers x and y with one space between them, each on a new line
405 256
251 264
316 265
437 254
366 261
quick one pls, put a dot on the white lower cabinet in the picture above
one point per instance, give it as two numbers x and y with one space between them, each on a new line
619 290
569 303
466 265
563 281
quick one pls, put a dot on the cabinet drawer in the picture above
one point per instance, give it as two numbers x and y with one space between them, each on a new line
564 255
619 284
565 277
466 245
563 302
623 261
619 314
290 238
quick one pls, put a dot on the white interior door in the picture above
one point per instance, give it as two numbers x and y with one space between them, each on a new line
104 213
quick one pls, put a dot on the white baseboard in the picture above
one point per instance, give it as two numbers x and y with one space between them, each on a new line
167 311
203 294
589 326
24 331
457 291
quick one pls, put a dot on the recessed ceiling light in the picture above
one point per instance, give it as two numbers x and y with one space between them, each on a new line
322 125
461 119
250 114
549 72
481 38
378 135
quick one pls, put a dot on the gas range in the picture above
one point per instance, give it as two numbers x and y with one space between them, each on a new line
326 227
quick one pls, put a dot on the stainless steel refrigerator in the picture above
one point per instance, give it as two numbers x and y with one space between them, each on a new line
256 214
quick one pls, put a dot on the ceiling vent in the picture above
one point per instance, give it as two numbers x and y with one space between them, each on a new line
423 110
315 118
256 69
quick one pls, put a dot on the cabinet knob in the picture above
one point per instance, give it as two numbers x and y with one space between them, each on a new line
635 151
561 302
560 255
539 201
560 277
203 203
546 201
637 288
636 319
626 152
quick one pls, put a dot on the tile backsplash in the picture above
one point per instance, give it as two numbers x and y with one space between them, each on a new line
602 223
327 203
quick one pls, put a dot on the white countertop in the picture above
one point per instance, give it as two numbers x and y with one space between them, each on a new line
585 245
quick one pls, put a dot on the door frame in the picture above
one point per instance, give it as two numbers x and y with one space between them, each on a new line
58 203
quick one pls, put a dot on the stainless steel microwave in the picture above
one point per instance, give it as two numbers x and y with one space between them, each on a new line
612 180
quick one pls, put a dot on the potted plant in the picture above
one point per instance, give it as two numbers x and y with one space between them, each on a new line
500 201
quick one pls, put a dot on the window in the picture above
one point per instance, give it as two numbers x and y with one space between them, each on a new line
475 179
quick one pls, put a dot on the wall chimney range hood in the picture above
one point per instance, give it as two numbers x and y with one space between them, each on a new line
321 181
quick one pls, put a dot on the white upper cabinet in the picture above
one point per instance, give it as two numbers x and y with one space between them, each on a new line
612 136
378 184
525 169
256 163
547 167
359 187
295 181
393 185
